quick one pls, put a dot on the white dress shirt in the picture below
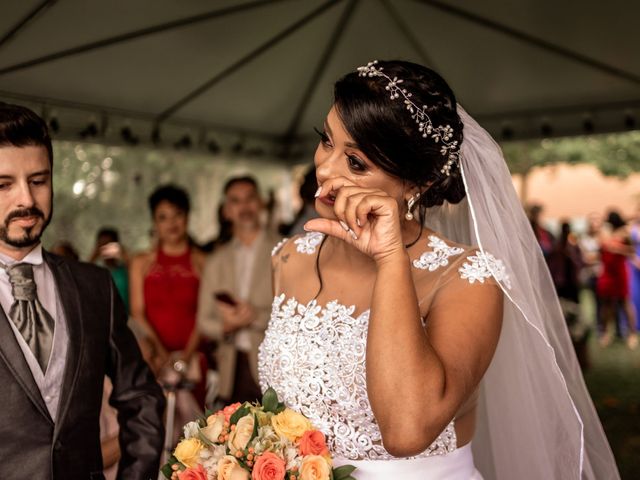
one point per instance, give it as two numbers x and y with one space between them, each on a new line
50 382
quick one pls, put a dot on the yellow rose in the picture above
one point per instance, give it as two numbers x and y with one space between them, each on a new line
241 434
188 452
315 467
290 424
230 469
214 427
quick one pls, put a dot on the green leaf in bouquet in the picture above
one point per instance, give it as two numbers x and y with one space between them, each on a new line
238 414
280 408
270 400
167 469
343 473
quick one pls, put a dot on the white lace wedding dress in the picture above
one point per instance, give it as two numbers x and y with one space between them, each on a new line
313 355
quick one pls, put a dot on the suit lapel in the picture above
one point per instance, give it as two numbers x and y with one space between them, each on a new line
70 300
12 355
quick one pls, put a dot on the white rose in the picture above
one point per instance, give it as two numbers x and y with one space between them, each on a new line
191 430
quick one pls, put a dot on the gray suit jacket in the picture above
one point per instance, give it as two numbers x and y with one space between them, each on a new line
100 343
219 275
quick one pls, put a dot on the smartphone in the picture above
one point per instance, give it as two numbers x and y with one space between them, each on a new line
225 297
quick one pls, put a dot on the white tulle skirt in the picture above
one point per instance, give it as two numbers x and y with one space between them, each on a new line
457 465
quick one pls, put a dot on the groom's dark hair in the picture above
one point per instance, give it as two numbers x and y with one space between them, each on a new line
22 127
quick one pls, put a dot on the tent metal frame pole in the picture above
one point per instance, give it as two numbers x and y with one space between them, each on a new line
341 26
535 41
136 34
404 29
13 31
169 111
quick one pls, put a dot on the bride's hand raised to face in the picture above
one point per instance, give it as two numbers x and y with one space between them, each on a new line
366 218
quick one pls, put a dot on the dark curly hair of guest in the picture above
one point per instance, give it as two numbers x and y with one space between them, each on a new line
388 135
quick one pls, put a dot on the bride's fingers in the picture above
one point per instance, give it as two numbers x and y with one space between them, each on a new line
345 201
332 186
329 227
350 216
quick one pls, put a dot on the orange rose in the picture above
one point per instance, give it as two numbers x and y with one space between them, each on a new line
197 473
230 469
313 442
269 466
315 467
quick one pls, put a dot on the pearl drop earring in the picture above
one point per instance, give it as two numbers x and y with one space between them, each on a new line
410 203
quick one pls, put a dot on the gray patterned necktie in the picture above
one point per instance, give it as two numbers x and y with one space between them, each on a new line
27 313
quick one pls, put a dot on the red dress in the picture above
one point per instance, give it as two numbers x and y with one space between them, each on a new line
171 298
613 283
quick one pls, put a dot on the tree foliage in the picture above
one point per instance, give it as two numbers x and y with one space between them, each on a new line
615 154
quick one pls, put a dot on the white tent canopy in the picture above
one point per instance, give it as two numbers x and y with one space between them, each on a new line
263 71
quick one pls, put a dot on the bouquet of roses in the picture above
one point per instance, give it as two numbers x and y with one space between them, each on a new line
253 441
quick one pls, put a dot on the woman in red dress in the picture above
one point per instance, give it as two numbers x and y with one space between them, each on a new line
613 282
164 286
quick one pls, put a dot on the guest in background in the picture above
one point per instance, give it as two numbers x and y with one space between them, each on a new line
164 288
307 210
109 253
634 263
224 233
565 264
235 293
590 248
613 284
544 237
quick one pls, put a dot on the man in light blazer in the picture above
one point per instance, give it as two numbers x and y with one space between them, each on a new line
235 295
62 329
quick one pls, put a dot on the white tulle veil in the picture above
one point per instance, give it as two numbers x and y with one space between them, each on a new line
535 416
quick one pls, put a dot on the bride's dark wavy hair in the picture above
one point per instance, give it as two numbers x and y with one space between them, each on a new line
387 134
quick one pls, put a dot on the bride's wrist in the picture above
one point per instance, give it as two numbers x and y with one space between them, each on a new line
398 257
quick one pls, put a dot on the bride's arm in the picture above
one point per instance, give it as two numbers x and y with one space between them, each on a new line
416 378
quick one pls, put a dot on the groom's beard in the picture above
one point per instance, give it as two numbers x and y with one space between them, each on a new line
25 236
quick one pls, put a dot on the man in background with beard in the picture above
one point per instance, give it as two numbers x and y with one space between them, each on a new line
62 329
235 292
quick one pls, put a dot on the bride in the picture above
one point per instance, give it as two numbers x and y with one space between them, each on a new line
415 323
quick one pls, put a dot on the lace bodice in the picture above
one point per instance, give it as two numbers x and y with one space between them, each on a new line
314 357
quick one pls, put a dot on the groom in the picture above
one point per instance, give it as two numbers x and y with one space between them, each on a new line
62 329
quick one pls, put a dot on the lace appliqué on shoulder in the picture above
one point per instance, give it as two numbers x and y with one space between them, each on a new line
309 242
278 247
438 257
483 265
315 358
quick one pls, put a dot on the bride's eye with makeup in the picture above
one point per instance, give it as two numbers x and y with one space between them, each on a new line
356 164
324 138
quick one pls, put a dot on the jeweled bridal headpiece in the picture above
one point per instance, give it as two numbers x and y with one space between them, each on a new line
439 134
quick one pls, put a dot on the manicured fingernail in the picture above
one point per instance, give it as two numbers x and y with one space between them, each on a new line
353 234
344 225
358 222
305 228
317 194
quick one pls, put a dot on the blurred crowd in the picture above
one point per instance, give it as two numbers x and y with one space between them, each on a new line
596 272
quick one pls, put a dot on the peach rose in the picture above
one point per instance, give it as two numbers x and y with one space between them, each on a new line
197 473
315 467
215 423
269 466
241 434
290 424
230 410
313 442
188 452
230 469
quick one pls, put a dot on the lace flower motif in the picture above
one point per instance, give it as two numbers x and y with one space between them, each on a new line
438 257
309 242
278 247
315 357
483 265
